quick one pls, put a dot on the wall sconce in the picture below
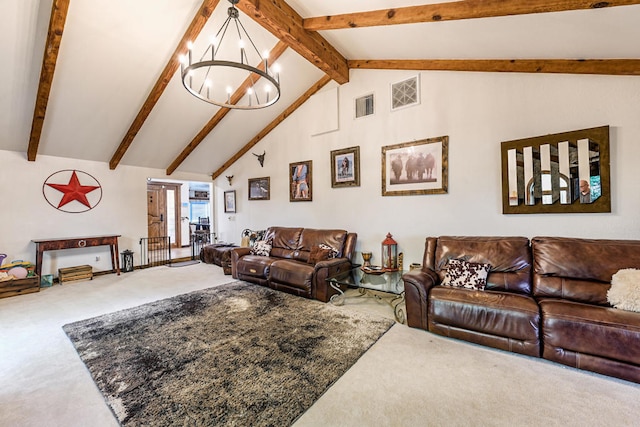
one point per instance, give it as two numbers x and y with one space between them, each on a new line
389 254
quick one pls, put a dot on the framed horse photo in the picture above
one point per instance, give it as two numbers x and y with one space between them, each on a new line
417 167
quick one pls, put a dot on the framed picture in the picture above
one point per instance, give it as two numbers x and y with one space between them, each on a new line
417 167
259 188
300 189
230 201
345 167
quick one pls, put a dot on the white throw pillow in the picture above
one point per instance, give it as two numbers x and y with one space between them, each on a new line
261 247
625 290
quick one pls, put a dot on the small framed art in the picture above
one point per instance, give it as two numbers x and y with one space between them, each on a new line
259 188
300 189
345 167
230 201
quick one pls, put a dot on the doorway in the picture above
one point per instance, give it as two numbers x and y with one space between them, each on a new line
163 211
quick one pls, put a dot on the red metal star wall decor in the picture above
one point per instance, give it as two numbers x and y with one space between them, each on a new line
72 191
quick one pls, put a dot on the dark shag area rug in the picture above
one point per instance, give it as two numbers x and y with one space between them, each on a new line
236 354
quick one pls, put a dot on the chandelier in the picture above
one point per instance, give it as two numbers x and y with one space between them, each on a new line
213 77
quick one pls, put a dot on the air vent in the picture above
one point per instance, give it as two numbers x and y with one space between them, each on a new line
364 106
405 93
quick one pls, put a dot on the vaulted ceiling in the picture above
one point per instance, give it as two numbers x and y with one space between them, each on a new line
99 79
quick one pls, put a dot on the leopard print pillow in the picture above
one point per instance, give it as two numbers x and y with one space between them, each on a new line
464 274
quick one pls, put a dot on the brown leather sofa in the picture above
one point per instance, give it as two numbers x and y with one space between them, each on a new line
218 254
579 328
287 267
543 298
505 315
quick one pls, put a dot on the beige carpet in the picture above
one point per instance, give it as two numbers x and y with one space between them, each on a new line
408 378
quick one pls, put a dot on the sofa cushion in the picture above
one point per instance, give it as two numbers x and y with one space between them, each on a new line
590 330
463 274
625 290
509 257
333 238
254 265
580 269
261 247
319 253
293 273
493 313
285 241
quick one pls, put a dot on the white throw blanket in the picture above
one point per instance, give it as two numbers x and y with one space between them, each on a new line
625 290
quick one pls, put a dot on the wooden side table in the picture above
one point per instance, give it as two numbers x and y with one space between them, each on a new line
43 245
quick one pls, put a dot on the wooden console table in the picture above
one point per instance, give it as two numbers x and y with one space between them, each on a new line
77 242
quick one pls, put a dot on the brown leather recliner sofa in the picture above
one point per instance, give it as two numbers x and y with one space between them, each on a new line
579 327
505 315
287 266
543 298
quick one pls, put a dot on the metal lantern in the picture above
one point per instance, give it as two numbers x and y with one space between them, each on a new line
127 261
389 254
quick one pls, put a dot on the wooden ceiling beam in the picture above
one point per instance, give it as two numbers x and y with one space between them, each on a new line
275 53
197 24
58 18
264 132
614 67
467 9
282 21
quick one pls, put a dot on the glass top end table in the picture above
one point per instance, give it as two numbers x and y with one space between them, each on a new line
371 284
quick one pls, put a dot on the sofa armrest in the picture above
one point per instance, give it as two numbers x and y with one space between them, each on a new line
417 284
236 254
324 269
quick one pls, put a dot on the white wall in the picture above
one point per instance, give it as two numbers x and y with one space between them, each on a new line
477 111
26 215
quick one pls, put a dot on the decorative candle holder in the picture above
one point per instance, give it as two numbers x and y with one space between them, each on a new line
366 257
389 254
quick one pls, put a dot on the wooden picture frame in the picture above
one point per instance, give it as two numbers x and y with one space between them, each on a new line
428 167
300 182
260 188
345 167
230 201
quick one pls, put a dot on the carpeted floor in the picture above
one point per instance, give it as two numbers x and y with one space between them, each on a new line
409 377
237 354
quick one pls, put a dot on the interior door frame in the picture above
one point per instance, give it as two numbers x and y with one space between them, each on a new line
176 187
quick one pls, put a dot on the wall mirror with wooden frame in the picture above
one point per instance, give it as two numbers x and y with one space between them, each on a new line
559 173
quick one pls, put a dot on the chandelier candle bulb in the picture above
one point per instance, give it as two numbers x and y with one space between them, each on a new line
183 61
